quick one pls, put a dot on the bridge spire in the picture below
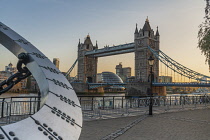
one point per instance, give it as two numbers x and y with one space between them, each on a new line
147 25
147 20
157 32
79 43
136 31
88 40
96 44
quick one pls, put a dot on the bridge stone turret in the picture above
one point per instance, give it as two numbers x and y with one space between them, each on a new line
143 38
87 65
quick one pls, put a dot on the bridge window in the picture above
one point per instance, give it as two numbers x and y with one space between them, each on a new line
89 80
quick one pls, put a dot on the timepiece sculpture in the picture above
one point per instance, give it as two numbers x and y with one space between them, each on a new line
60 117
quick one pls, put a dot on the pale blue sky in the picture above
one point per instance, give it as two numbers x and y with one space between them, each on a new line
55 26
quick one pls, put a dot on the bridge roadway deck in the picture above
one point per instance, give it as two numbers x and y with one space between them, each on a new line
107 51
182 125
93 85
183 84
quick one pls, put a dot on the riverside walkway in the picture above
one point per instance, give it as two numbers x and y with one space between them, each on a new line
120 118
181 125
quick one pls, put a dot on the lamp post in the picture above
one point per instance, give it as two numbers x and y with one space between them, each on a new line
151 63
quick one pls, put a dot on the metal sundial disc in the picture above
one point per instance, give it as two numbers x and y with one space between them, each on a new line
51 121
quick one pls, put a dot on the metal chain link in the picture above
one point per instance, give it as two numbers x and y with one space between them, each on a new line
22 73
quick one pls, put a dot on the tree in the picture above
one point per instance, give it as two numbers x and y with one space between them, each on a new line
204 35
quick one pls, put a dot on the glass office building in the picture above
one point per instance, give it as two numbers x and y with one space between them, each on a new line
108 77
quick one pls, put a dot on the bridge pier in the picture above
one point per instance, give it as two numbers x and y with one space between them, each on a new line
137 88
80 87
84 87
141 89
160 90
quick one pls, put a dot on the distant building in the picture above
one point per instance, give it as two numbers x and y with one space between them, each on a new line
4 75
56 62
9 71
131 79
123 73
10 68
99 78
165 79
110 77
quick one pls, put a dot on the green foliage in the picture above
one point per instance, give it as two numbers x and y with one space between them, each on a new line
204 35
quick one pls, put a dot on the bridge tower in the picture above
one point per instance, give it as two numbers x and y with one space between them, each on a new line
143 38
87 65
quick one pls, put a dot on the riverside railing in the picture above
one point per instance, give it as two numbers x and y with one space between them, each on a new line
14 109
94 107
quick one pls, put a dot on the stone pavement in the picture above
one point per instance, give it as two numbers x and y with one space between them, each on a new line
183 125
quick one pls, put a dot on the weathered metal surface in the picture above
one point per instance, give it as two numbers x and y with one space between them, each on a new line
60 118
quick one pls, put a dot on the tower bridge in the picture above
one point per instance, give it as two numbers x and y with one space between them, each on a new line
88 54
146 43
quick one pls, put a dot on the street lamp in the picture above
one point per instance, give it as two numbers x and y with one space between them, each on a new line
151 63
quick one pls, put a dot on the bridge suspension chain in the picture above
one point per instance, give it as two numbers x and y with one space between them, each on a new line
177 67
180 67
72 67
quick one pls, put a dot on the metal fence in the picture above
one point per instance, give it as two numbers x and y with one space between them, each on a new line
14 109
116 106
